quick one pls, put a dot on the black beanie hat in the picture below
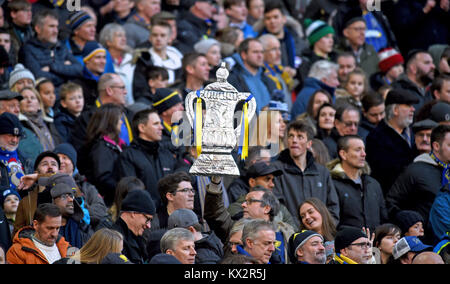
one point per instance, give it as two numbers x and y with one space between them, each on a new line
407 218
68 150
46 154
165 99
10 124
297 240
138 200
347 236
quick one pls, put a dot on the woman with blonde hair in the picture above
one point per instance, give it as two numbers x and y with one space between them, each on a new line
102 243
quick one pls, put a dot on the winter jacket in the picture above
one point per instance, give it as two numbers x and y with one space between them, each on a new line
192 29
360 205
367 59
309 57
142 60
35 55
295 186
148 162
29 148
209 249
23 250
440 213
64 122
259 85
44 128
388 154
134 247
98 162
237 188
310 86
125 68
404 83
416 188
89 84
12 170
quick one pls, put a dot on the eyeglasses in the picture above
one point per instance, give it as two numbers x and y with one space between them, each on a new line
119 87
251 200
147 219
190 189
359 29
67 195
363 245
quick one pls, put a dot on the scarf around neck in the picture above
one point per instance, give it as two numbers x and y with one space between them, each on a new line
446 169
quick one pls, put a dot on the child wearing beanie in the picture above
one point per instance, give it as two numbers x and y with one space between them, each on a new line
391 64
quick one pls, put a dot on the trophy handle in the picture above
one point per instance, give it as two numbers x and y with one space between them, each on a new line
189 106
251 113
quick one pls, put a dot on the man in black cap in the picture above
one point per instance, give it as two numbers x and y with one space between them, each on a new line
135 217
419 73
352 246
417 187
11 167
306 247
422 134
390 147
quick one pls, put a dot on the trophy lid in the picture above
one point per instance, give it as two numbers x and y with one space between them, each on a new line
222 73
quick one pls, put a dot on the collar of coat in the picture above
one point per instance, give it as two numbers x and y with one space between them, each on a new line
290 166
336 170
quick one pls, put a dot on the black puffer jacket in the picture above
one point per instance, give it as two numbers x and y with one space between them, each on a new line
148 162
209 249
360 206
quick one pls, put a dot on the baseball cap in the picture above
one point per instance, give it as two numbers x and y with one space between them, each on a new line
407 244
10 124
57 179
60 189
440 112
182 218
9 95
262 169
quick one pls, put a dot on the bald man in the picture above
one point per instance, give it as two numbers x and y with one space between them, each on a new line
428 257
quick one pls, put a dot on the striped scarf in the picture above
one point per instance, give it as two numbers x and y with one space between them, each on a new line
343 260
445 171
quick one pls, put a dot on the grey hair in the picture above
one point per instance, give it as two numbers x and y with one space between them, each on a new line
265 39
390 111
239 225
269 199
108 31
170 239
251 230
105 81
322 69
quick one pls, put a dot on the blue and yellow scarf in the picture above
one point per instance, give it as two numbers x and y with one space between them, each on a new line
445 171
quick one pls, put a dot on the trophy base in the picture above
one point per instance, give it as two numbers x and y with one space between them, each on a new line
215 164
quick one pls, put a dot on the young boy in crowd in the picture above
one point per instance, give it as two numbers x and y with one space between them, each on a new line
156 77
72 103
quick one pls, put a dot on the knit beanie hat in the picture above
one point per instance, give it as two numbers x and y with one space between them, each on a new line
68 150
347 236
389 58
90 49
77 19
20 72
165 99
407 218
205 44
6 193
297 240
315 30
138 200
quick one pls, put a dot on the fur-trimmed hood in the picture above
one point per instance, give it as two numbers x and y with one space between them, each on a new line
337 172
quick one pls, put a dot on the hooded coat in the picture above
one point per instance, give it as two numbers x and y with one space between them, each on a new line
361 205
23 250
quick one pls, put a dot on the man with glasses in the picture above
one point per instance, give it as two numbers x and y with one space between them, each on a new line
135 217
76 232
176 192
354 40
361 199
352 246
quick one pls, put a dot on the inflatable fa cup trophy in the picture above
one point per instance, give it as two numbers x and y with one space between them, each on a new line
214 132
